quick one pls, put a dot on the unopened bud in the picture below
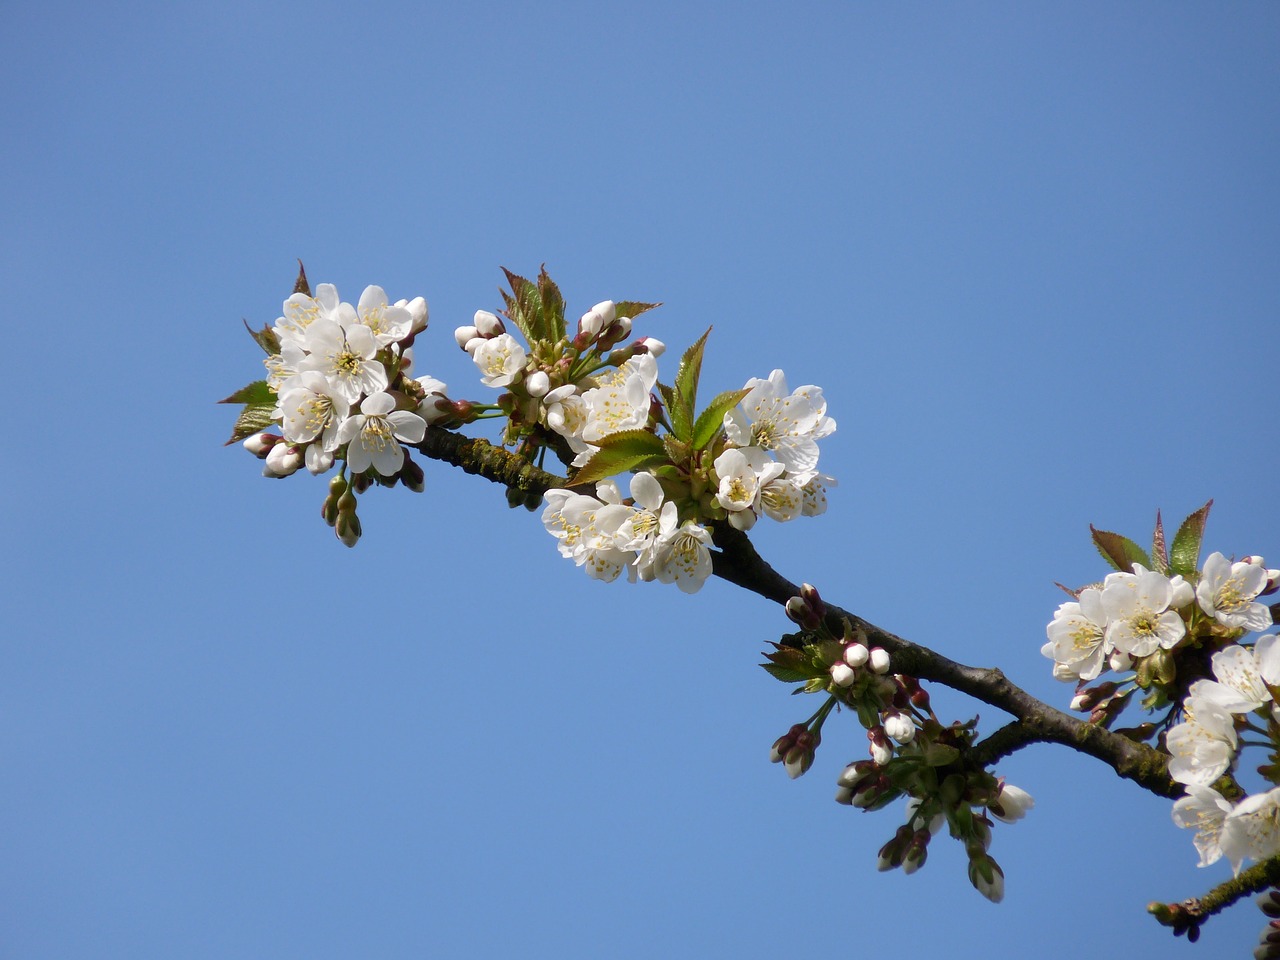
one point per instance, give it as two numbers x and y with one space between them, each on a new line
1090 697
418 312
411 475
785 742
879 660
855 655
538 384
880 748
488 325
464 335
348 528
1273 584
813 598
260 444
1269 902
652 345
900 727
799 611
282 460
843 675
596 319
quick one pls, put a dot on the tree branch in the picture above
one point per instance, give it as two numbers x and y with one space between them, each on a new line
738 563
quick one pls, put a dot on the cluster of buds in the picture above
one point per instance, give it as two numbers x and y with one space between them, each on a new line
795 749
912 754
1268 947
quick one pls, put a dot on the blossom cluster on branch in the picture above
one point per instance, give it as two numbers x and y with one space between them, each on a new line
341 391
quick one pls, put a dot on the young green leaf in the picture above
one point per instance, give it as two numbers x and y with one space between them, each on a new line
550 307
1159 552
632 308
1119 551
265 338
256 393
254 417
711 419
521 305
686 385
622 452
679 417
1185 556
300 285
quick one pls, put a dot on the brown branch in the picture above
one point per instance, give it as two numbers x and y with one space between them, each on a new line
737 562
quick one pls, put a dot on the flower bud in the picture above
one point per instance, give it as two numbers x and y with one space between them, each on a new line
1273 584
855 654
282 460
843 675
1090 697
900 727
1269 902
488 325
260 444
880 747
318 459
464 335
785 742
987 878
653 346
1011 803
411 475
596 319
742 520
813 598
538 384
800 757
879 660
799 611
418 313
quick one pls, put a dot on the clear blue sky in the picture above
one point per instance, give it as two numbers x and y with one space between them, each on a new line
1029 252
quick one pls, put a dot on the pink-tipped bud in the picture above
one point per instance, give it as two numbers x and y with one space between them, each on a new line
595 320
260 444
464 335
880 747
652 345
282 460
812 597
487 324
855 655
843 675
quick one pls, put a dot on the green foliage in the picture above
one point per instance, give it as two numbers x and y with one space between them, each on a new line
1119 551
1185 556
536 308
622 452
252 419
710 420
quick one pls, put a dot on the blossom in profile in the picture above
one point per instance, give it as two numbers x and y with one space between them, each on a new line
683 556
1252 829
1204 810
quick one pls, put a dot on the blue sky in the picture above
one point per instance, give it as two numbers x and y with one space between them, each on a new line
1028 252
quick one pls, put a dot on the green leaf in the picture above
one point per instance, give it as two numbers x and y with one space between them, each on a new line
265 338
300 285
1159 552
536 308
711 419
686 385
256 393
677 452
785 674
550 306
1119 551
1185 556
632 308
254 417
622 452
789 664
677 414
940 754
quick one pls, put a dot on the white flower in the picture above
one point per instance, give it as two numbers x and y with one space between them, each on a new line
1226 592
649 521
683 556
815 495
300 311
1242 676
788 425
371 435
388 324
312 409
345 357
1077 637
1012 803
587 530
501 360
620 401
1139 621
1204 809
743 474
1202 746
418 313
1252 829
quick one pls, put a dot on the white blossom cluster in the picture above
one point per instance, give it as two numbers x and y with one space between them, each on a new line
1133 615
1206 745
333 377
606 536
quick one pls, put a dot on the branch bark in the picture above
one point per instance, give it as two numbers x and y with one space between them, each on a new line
737 562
